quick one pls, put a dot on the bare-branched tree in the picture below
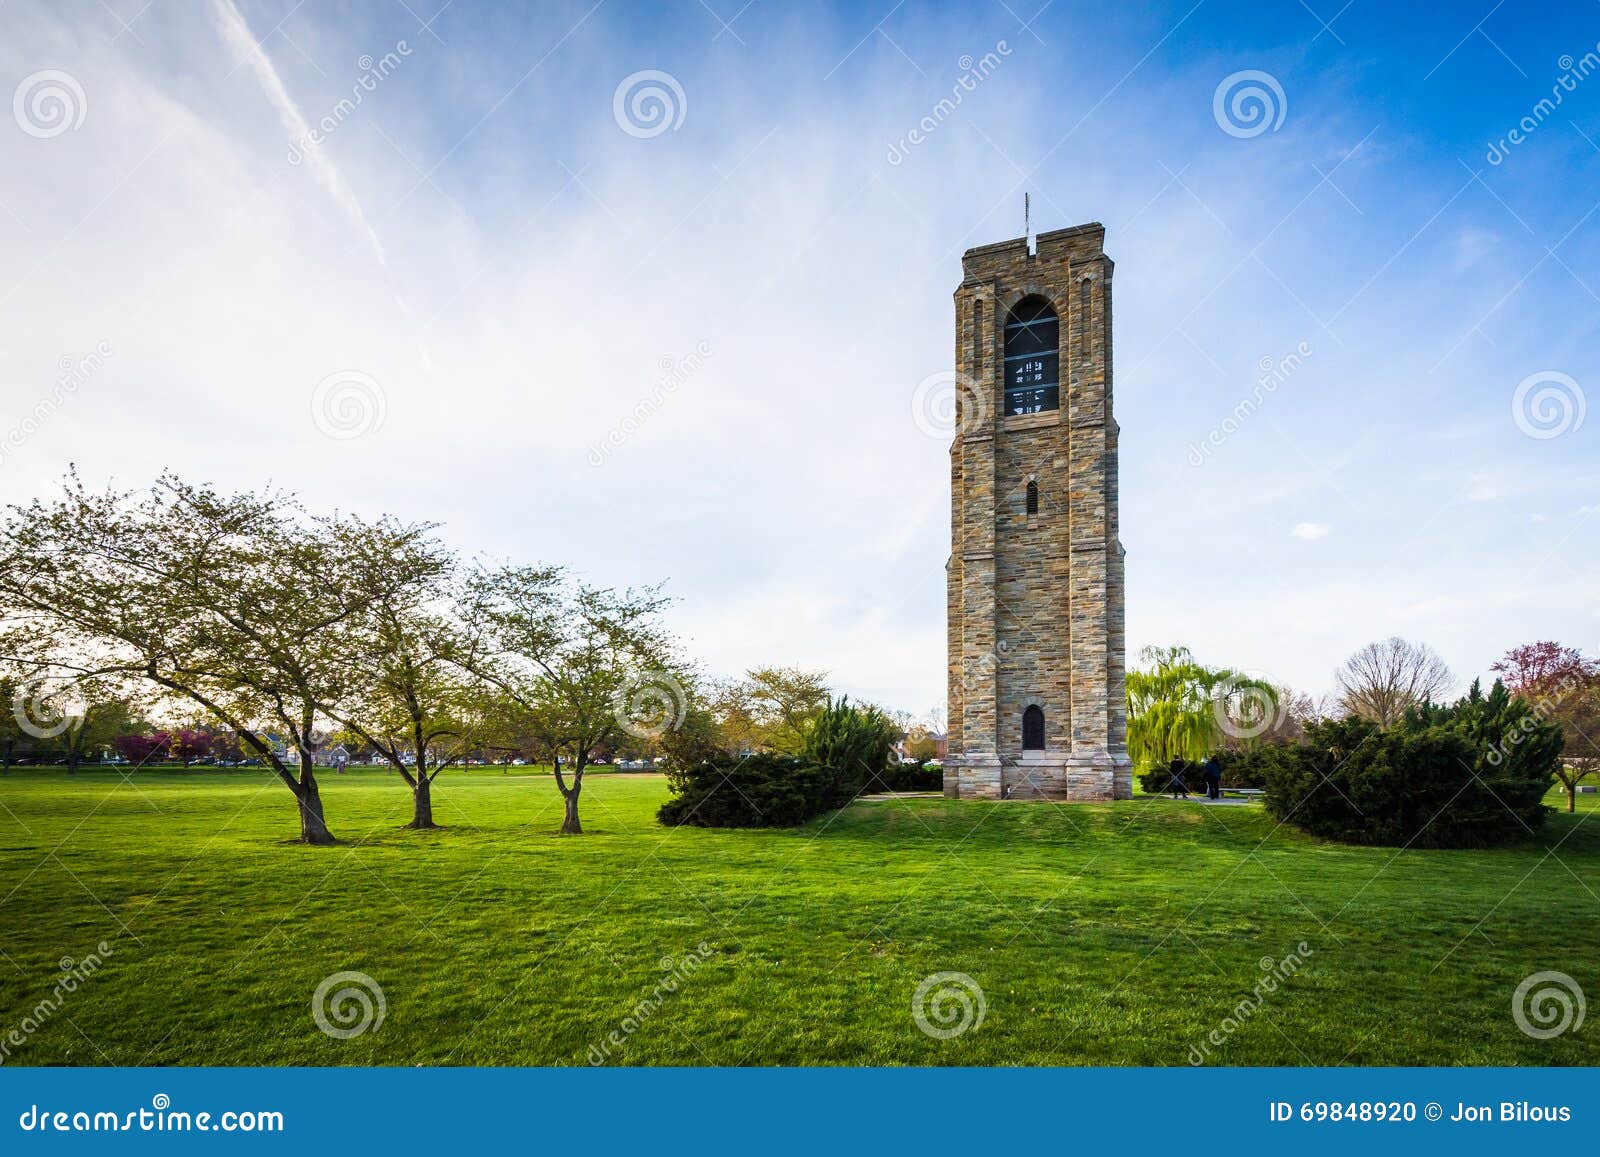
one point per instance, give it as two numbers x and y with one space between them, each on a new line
1382 680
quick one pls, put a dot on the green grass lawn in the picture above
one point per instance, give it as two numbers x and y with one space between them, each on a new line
1099 934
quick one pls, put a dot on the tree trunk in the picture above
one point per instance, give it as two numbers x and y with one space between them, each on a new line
1572 798
569 823
313 828
422 803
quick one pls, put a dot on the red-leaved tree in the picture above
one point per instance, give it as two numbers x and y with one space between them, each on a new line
1562 685
142 748
190 744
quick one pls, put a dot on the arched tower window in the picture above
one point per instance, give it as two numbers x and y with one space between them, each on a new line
1033 357
1033 497
1033 728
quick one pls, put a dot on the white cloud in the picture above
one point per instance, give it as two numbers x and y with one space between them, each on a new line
1488 486
1309 531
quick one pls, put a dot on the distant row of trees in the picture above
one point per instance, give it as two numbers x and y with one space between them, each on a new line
775 710
91 730
1180 708
768 709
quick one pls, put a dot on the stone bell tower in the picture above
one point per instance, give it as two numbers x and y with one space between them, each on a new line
1037 704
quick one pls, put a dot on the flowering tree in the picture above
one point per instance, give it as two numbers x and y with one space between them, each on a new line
190 744
140 748
1562 685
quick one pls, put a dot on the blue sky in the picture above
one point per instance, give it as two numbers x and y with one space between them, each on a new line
693 354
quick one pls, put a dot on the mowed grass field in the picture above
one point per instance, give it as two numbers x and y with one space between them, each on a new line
1099 934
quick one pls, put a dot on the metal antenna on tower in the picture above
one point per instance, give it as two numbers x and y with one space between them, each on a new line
1027 228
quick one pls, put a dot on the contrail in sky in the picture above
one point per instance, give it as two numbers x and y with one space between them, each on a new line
236 31
238 35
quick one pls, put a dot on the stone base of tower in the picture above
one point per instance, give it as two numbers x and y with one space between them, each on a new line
1083 777
1115 766
973 777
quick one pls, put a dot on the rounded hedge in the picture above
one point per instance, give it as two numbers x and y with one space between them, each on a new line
1468 775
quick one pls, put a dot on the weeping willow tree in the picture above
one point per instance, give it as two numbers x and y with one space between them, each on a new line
1181 709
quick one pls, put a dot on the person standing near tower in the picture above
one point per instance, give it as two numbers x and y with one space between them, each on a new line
1179 787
